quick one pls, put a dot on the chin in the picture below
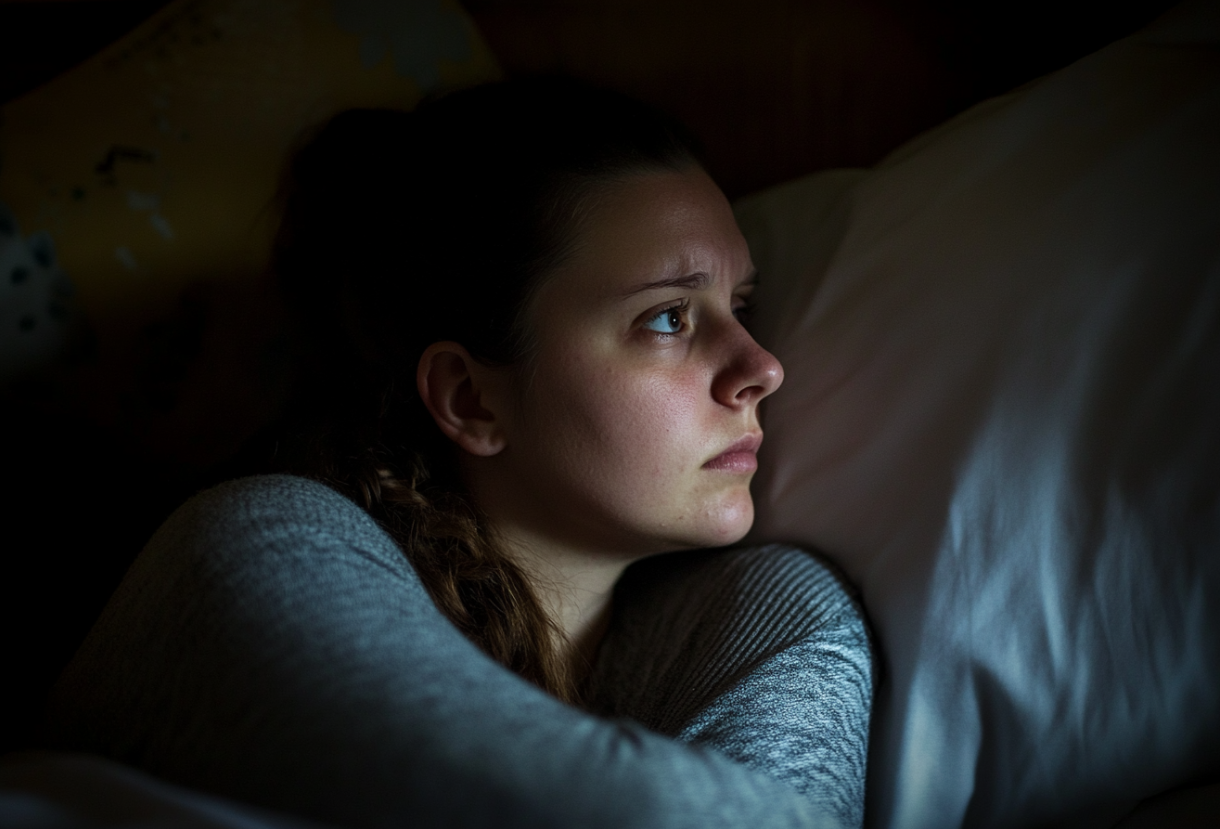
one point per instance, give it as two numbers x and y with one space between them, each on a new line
729 521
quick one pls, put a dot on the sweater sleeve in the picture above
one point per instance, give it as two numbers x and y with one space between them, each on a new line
271 644
757 652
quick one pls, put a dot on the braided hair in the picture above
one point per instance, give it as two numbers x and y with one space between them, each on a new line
401 229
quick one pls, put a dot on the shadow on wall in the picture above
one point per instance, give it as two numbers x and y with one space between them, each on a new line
139 347
780 88
775 88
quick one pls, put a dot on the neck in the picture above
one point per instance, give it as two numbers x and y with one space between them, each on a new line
573 581
575 591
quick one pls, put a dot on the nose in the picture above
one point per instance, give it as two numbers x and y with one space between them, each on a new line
749 375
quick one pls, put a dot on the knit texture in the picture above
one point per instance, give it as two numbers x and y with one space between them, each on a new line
272 644
758 652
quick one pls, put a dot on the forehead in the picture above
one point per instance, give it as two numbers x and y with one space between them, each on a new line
648 227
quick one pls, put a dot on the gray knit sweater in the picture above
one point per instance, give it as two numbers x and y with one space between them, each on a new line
273 645
758 652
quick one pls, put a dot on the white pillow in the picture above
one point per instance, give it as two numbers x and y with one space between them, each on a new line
1002 418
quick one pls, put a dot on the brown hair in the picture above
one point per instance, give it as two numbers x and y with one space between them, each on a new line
403 229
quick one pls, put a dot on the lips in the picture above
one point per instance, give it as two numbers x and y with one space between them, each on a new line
742 456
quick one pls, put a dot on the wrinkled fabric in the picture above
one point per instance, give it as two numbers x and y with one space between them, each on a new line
66 790
758 652
1001 418
272 645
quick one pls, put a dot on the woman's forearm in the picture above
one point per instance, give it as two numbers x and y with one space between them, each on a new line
272 645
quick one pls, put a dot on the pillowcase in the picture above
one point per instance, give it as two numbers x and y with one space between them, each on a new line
1001 418
155 163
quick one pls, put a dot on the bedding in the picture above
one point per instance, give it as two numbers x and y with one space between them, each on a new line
1001 417
272 645
62 790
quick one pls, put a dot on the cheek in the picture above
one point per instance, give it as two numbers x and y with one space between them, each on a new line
618 448
619 425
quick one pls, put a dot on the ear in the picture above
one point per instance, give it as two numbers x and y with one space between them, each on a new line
460 393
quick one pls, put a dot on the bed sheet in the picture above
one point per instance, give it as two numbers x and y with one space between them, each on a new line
1001 417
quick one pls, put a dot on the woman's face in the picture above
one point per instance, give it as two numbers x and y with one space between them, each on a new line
634 425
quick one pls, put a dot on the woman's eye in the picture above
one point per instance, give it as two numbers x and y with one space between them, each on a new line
668 321
743 310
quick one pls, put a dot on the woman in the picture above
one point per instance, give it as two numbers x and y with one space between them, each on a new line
521 309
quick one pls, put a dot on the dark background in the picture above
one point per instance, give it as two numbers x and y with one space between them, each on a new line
774 89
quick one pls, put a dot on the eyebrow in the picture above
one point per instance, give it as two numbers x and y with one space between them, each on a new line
694 281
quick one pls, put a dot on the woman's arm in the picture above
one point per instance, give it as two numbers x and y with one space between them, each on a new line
757 652
271 644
